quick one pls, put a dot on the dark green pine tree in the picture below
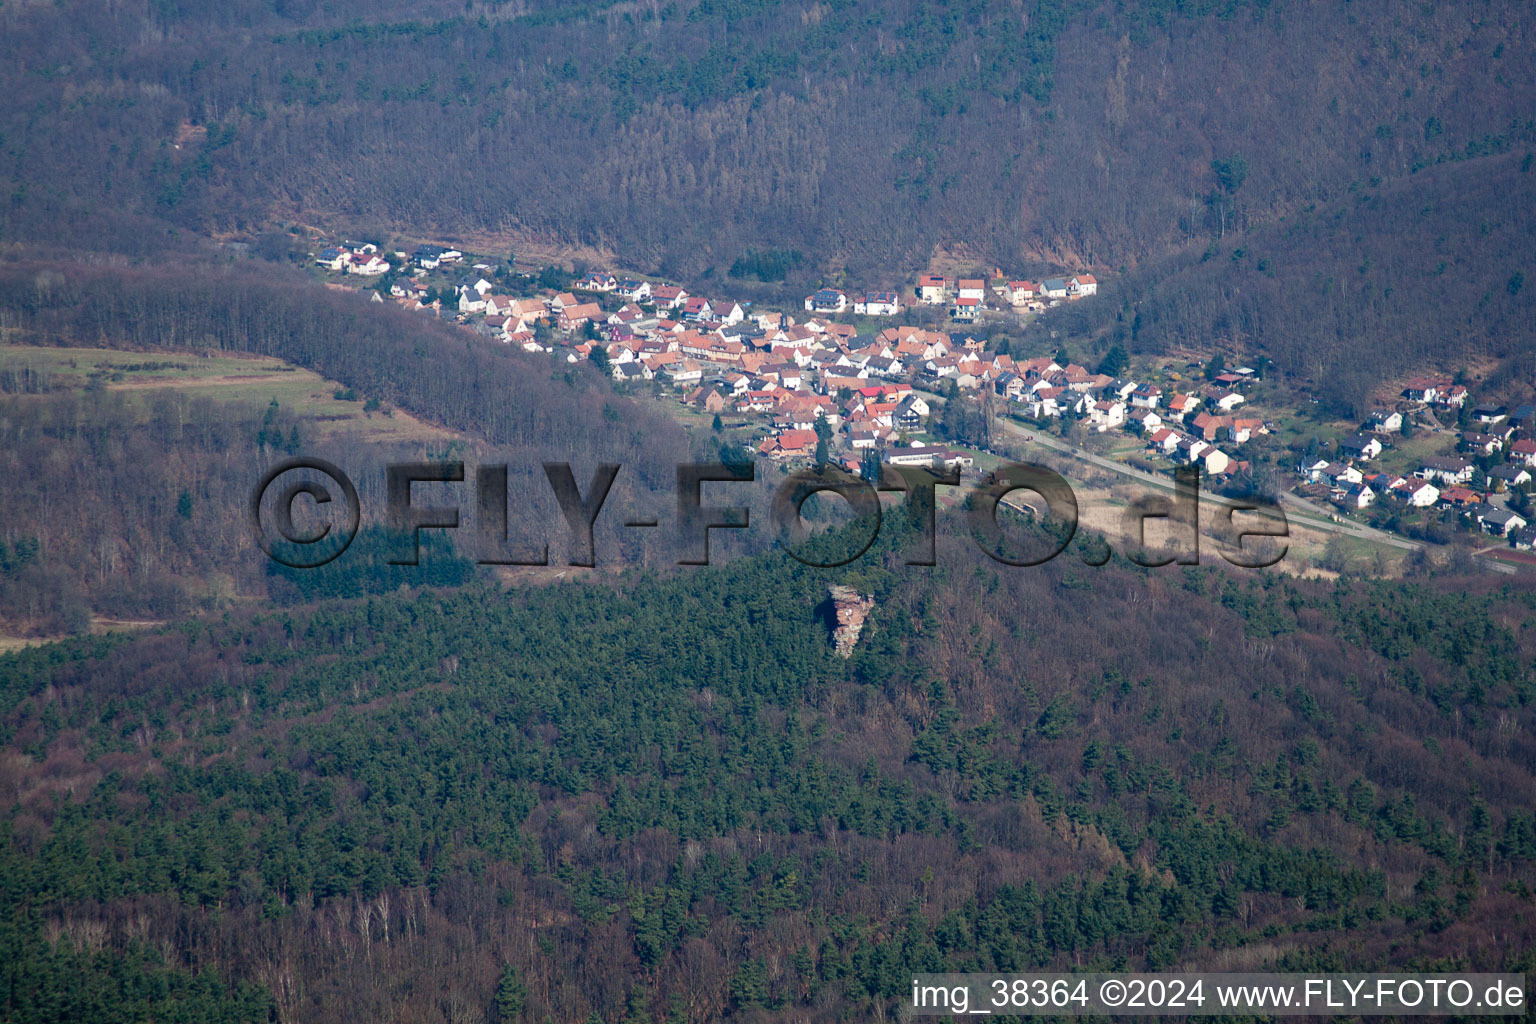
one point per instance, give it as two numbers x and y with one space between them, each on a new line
511 995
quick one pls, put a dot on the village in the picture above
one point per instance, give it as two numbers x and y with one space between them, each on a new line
830 380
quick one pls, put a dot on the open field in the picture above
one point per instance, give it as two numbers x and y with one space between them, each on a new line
99 625
250 380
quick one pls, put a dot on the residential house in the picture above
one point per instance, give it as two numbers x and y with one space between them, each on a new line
1385 421
597 281
1209 427
877 304
1461 498
1082 286
683 371
1313 471
576 316
1446 469
334 258
635 291
1187 449
1455 397
965 309
910 413
1241 430
1479 444
668 296
1510 476
931 289
1500 522
1221 398
1357 496
862 439
368 266
1105 416
1020 292
1340 474
428 257
1490 413
826 300
1182 405
1523 452
1360 446
1163 441
971 288
1144 421
1425 389
730 313
789 444
1215 461
1054 287
1416 493
1045 403
708 398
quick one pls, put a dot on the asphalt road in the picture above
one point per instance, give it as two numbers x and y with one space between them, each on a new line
1313 517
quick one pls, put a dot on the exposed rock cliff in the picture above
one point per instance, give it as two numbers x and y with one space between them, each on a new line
849 610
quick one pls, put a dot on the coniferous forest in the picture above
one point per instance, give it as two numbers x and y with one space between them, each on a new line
654 793
666 799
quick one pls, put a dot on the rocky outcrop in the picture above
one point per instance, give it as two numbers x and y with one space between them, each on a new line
849 610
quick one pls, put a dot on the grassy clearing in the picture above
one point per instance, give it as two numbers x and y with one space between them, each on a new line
248 380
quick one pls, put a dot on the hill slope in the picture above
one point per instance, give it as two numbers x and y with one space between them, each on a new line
670 799
683 134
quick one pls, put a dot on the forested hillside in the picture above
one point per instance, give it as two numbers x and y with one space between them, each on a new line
668 800
1427 272
130 503
680 135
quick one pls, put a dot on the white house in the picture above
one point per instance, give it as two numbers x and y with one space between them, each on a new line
1418 493
635 291
1385 421
1215 460
1358 496
334 258
826 300
1501 522
1449 470
370 266
597 282
877 304
1226 400
930 289
1106 415
1360 446
1020 292
971 288
1082 285
684 371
